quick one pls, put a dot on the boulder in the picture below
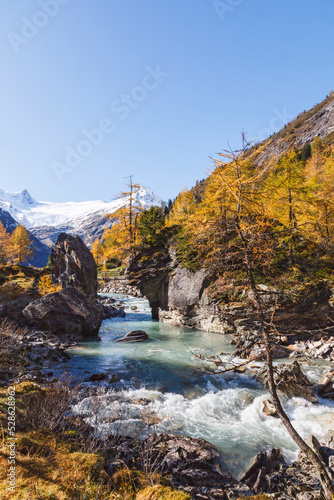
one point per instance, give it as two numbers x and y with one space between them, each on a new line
74 265
291 381
109 311
263 465
134 336
67 313
193 465
269 474
97 377
269 409
326 387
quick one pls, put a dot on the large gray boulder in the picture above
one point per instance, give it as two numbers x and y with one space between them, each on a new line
67 313
74 265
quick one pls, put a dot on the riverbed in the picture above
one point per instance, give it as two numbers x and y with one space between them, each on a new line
164 388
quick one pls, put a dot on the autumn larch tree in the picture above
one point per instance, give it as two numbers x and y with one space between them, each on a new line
22 245
122 236
5 245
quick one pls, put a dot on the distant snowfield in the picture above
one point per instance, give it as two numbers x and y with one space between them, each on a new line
32 213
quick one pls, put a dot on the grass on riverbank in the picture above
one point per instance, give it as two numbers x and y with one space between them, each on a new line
51 464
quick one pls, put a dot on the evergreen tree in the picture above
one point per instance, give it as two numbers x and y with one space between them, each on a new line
306 151
150 225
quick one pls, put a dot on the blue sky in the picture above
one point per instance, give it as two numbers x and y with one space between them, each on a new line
169 83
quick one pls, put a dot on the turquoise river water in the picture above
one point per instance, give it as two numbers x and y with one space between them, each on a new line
163 388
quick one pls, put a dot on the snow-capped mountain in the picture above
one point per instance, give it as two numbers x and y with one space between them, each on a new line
34 213
46 220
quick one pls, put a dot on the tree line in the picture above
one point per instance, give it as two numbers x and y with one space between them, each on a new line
285 210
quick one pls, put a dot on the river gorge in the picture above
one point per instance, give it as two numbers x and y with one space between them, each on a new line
162 387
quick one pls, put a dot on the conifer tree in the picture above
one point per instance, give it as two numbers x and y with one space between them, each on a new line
4 245
21 245
98 252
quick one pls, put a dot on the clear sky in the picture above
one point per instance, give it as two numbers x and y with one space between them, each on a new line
168 82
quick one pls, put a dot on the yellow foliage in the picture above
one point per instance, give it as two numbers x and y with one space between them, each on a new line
98 253
45 285
5 245
21 245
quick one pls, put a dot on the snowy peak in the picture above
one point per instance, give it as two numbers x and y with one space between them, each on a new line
147 198
26 198
17 203
21 199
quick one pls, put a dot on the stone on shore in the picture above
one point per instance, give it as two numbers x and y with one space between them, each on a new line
67 313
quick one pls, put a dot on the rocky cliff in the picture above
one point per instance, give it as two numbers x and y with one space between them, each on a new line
178 296
197 300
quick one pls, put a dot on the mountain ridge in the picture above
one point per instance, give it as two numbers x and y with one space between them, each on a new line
46 220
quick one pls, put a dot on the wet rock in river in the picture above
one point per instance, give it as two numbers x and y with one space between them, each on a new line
269 409
109 311
97 377
291 381
326 387
134 336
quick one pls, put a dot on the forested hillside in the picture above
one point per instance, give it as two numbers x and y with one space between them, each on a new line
279 206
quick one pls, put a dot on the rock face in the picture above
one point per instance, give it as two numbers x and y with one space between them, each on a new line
269 474
134 336
197 300
67 313
74 265
177 296
152 278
